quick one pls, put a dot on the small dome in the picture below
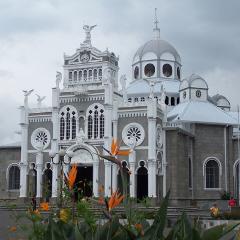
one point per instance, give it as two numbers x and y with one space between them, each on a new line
221 101
195 81
157 47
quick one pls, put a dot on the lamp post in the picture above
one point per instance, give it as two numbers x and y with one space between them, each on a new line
61 161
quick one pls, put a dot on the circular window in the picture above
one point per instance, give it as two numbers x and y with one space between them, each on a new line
149 70
136 72
178 73
167 70
198 93
133 134
184 94
40 138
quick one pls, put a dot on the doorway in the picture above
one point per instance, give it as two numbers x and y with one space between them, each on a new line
142 181
84 182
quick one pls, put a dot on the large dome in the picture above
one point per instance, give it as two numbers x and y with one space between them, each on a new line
157 47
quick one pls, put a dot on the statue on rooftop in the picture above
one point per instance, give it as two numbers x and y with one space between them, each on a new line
88 30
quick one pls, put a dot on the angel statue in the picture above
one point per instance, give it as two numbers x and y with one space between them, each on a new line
88 30
26 95
39 100
58 78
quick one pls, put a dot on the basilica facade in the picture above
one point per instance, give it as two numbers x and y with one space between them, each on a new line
180 138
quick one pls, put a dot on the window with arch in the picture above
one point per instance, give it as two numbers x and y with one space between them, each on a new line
100 74
212 174
80 75
167 100
75 76
14 177
95 74
95 125
68 123
172 101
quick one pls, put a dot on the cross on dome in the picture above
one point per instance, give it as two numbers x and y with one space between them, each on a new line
156 30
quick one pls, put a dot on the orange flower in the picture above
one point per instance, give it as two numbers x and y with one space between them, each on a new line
115 200
13 229
101 200
44 206
114 152
72 176
139 227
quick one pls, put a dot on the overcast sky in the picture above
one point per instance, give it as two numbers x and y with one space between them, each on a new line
34 34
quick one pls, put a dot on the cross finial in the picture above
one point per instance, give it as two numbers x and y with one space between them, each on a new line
156 29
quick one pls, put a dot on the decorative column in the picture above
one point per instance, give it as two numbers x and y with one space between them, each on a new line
152 112
132 161
54 143
39 167
114 176
108 109
95 179
24 144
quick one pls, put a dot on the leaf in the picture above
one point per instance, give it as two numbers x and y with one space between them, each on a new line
219 231
156 230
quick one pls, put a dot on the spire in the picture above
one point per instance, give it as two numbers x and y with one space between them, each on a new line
156 29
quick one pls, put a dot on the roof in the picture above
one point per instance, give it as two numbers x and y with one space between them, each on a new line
143 87
200 112
157 46
193 81
11 145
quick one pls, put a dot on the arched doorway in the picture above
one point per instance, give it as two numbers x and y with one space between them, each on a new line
47 183
126 179
142 181
32 181
84 182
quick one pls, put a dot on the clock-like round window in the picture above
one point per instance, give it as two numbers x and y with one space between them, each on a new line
136 72
167 70
149 70
198 93
133 134
40 138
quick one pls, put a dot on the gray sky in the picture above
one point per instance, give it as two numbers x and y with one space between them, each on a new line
34 34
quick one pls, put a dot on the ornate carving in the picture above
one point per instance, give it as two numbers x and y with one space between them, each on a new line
88 30
39 100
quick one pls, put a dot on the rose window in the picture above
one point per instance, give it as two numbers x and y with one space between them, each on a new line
40 138
133 134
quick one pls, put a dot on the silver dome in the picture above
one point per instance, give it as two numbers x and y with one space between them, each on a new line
157 46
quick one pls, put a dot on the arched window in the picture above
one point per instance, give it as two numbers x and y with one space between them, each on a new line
80 75
101 124
47 183
14 178
75 76
95 116
70 76
62 126
172 101
95 74
32 181
142 181
90 126
100 74
85 75
68 123
166 100
74 127
178 100
90 75
96 123
212 174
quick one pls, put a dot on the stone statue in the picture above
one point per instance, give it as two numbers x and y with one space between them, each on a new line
107 75
58 79
39 100
88 30
26 95
81 137
123 81
151 95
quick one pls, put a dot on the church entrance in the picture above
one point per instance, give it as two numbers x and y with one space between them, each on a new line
84 182
142 182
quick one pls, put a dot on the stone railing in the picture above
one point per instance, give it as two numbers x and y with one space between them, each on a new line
184 126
